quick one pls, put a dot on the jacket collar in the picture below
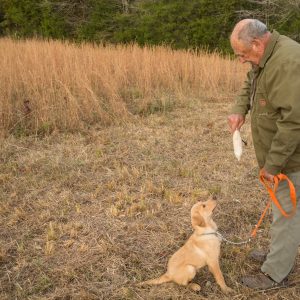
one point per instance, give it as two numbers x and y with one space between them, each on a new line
270 48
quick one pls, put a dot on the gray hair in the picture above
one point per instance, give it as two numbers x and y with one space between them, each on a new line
252 30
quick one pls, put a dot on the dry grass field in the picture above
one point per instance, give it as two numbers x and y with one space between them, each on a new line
47 86
94 198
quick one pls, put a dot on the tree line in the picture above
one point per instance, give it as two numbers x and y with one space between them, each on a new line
177 23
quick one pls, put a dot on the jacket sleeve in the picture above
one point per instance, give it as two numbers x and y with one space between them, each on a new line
242 102
284 93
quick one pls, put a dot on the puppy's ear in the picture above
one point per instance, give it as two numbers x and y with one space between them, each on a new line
197 220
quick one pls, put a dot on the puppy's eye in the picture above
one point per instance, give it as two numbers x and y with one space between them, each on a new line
203 205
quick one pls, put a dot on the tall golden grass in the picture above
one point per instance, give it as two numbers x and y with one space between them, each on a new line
46 85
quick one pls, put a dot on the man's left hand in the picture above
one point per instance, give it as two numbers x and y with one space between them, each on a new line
266 175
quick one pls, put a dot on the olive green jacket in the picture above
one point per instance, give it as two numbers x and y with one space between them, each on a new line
272 94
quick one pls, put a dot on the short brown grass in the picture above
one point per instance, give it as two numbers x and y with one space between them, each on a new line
88 215
45 86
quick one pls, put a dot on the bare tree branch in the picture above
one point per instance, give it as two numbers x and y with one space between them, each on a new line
279 11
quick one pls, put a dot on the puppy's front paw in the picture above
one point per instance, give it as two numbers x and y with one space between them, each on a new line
194 286
227 290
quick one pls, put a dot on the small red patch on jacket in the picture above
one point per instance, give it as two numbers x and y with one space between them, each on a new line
262 102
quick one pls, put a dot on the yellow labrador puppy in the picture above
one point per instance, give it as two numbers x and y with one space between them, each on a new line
201 249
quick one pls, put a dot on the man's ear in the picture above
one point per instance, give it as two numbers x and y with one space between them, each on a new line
257 44
197 220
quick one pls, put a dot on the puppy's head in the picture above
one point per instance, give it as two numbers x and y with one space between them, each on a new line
201 212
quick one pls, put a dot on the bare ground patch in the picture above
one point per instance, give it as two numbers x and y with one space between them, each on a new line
88 215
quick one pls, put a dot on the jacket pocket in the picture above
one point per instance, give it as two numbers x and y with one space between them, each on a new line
263 106
266 127
267 121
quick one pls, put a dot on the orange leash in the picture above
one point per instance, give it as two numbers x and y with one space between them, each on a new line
272 193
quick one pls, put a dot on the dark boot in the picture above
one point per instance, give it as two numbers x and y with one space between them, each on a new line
262 282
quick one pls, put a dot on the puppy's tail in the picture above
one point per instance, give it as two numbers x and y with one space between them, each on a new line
162 279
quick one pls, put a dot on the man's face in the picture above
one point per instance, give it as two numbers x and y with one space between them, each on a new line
246 53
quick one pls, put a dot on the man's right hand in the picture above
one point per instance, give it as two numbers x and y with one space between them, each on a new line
235 121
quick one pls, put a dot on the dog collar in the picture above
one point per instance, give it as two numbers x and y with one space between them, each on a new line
211 233
208 233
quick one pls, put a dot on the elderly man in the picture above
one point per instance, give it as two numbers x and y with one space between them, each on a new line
272 95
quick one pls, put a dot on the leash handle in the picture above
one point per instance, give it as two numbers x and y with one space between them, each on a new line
272 192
